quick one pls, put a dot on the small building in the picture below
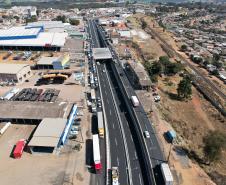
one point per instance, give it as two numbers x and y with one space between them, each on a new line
101 53
47 136
17 73
56 63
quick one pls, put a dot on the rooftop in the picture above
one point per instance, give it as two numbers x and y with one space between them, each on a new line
11 68
47 60
101 53
33 110
48 132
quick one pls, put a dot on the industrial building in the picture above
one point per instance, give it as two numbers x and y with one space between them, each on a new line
31 38
56 63
138 76
48 135
17 73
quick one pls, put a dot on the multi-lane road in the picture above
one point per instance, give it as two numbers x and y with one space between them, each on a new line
135 156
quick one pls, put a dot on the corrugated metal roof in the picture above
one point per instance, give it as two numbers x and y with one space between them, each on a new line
48 132
19 31
11 68
43 39
47 60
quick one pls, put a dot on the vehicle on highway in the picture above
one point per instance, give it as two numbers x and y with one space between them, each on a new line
115 176
100 124
73 132
146 134
96 154
135 101
166 173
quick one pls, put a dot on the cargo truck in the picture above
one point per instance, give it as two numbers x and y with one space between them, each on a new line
115 176
100 124
96 153
17 153
93 95
135 101
166 173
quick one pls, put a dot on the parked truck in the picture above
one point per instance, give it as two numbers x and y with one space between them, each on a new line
93 95
135 101
166 173
96 153
100 124
115 176
17 153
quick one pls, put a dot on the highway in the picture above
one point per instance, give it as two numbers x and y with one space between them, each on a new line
116 140
151 146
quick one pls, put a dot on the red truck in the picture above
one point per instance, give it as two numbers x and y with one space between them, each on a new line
17 153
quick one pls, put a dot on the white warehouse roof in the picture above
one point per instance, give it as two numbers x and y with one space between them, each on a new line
18 32
43 39
48 132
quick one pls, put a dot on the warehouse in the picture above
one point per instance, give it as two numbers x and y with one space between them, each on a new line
17 73
58 63
31 38
47 136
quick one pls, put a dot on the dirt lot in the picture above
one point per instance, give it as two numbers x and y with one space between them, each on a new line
192 120
68 167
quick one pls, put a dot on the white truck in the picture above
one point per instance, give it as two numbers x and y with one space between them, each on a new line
115 176
100 124
135 101
96 153
166 173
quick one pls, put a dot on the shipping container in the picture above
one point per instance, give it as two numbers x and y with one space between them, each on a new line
17 153
166 173
100 124
135 101
96 153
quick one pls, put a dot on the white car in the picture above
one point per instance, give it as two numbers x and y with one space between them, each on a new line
103 71
157 98
146 134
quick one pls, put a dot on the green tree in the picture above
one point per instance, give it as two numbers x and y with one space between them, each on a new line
143 24
184 89
156 68
184 47
60 18
216 57
74 22
218 64
214 142
32 19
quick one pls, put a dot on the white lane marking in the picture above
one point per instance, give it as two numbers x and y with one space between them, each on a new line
113 125
116 142
107 100
131 137
140 178
117 161
135 153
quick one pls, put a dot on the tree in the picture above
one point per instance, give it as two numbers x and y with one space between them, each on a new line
214 142
184 89
32 19
74 22
184 47
143 24
216 57
60 18
156 68
218 64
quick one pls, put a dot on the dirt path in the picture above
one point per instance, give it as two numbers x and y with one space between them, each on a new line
202 114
